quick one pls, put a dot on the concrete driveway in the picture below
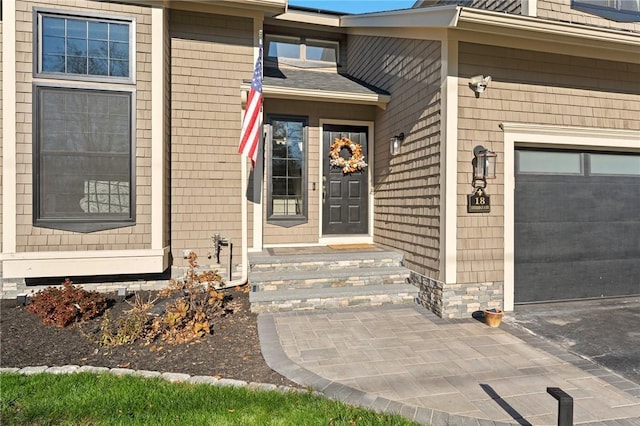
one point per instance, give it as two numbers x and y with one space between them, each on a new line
604 331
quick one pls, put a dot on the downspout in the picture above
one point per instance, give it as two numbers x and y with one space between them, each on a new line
244 278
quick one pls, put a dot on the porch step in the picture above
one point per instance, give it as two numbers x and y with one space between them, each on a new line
325 261
325 278
332 298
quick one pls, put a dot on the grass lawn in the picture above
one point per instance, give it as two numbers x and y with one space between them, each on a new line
106 399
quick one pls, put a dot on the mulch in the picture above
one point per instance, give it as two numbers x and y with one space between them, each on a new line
232 351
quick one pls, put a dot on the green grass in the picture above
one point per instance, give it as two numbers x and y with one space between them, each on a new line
105 399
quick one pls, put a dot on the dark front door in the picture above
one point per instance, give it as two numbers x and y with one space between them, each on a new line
345 195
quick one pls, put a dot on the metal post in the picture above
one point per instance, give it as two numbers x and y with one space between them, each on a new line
565 406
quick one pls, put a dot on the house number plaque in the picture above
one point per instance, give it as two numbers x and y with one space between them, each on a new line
478 202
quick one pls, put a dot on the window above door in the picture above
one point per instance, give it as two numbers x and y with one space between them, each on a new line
301 51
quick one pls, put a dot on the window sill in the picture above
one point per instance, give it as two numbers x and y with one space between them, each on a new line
286 222
82 227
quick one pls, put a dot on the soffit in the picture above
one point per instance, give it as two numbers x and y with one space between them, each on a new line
323 86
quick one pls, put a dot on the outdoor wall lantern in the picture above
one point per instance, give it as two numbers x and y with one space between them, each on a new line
479 83
484 167
395 142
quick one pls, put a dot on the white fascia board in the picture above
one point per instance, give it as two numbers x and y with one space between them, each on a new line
276 92
487 21
432 17
75 263
304 17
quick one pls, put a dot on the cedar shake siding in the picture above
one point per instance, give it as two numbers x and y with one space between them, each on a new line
534 88
30 238
210 57
406 187
507 6
561 10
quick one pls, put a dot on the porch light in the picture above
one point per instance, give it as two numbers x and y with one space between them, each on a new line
484 164
395 142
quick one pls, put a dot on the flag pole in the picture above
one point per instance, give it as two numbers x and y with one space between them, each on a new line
244 178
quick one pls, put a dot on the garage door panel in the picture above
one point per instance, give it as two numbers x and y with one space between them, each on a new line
566 241
577 280
579 201
577 234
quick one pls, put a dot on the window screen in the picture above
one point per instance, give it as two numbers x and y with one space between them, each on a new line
83 153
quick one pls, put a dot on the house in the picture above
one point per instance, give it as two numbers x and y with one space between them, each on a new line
121 121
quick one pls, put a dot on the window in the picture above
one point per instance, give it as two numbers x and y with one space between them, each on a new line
83 159
287 155
616 10
83 134
614 164
83 47
302 51
549 162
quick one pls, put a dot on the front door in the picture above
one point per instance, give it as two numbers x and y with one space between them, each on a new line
345 195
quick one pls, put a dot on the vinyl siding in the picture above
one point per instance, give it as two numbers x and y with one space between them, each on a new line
407 186
527 87
35 239
211 55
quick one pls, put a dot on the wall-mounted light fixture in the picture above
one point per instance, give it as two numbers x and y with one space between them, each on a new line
394 144
484 165
479 83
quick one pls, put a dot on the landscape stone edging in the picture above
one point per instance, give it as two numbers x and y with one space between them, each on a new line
170 377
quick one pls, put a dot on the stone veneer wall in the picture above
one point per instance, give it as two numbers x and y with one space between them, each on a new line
457 300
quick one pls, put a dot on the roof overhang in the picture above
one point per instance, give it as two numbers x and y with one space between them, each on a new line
497 24
268 7
298 94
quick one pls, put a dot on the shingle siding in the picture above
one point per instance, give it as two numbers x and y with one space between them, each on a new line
527 87
507 6
406 187
34 239
561 10
210 57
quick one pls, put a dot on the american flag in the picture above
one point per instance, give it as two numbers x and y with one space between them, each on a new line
252 122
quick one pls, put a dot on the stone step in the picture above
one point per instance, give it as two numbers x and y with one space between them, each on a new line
332 298
328 278
260 262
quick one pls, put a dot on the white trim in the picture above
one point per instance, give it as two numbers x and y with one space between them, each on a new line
107 262
530 8
369 160
521 134
449 163
9 181
316 18
293 93
437 16
157 128
350 239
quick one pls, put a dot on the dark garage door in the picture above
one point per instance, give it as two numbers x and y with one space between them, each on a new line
577 225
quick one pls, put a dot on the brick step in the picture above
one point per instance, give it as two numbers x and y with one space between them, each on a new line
346 277
324 261
332 298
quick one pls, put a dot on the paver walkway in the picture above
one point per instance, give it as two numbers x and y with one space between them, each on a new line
440 372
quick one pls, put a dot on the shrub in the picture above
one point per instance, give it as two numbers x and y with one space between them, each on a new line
133 324
64 306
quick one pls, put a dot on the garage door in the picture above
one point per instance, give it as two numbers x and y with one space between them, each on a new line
577 225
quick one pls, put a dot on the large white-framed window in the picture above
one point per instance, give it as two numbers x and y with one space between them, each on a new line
84 47
83 121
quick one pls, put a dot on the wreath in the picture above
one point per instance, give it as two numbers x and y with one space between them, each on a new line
353 163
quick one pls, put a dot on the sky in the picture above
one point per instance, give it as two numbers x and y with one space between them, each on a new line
354 6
